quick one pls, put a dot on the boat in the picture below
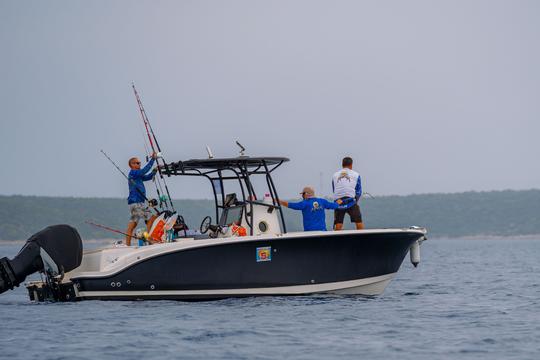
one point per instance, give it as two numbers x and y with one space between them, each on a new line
219 260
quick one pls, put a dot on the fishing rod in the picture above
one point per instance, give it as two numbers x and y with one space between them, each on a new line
152 135
151 202
157 183
120 232
149 131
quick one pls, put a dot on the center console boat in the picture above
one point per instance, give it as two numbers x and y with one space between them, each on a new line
243 250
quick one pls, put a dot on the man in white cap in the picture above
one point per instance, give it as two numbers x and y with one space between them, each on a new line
312 209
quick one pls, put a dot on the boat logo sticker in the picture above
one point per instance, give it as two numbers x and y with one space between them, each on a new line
264 254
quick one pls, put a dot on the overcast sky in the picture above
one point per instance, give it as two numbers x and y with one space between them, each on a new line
426 96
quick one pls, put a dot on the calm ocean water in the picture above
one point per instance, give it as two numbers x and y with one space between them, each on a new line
468 299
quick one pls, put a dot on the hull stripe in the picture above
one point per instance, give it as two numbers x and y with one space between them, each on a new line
278 290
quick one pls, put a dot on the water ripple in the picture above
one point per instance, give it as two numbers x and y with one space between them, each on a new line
467 299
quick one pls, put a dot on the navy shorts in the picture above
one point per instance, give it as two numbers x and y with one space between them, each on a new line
353 211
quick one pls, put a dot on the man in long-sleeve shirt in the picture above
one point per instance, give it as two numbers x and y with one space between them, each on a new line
138 208
347 187
312 209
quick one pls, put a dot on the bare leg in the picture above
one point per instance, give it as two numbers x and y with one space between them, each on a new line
150 222
149 226
131 226
338 226
359 226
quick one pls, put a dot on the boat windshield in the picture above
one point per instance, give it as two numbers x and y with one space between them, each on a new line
231 215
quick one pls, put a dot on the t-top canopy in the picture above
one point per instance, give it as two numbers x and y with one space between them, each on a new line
244 162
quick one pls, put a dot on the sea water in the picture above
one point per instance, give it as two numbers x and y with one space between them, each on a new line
468 299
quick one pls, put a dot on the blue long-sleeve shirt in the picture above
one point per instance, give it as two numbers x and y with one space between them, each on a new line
137 191
313 212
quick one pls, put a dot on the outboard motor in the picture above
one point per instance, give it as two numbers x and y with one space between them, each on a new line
54 250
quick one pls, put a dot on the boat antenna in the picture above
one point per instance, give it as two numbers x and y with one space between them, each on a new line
242 149
209 151
151 202
154 145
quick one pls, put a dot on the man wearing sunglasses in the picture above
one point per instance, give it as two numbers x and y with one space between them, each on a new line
138 208
312 209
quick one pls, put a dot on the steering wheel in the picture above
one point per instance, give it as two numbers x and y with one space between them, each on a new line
205 225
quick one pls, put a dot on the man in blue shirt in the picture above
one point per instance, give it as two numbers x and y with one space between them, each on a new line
138 208
312 209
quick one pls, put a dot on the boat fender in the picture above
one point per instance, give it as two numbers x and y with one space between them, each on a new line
414 253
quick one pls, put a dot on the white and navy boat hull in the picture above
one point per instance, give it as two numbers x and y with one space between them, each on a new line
345 262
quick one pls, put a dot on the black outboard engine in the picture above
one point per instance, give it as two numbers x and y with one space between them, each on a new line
54 250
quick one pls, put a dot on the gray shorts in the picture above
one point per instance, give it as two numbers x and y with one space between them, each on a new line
139 211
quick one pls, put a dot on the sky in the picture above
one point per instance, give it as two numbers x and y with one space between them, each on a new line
426 96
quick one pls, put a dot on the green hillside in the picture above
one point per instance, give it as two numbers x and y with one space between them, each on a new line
462 214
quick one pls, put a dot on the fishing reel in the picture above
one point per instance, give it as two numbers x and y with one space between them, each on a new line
155 202
159 155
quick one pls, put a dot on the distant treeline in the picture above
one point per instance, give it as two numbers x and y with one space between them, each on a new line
445 215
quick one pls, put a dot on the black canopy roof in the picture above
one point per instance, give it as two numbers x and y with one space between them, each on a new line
224 163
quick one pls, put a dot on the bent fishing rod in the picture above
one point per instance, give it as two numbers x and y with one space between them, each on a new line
155 148
151 202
